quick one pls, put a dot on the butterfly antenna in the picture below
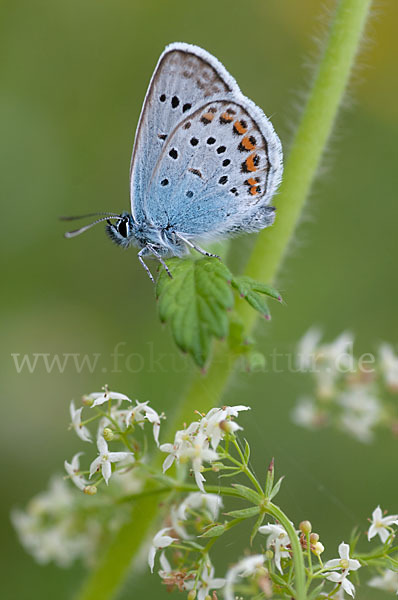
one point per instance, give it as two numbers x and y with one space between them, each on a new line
75 232
96 214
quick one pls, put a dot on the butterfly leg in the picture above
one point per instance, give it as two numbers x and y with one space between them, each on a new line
160 259
140 254
195 247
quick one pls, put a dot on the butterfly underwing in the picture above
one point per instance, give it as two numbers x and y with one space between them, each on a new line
206 161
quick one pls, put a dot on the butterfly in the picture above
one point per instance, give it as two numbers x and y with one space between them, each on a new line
206 161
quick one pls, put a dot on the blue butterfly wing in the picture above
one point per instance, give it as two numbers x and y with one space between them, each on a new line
184 77
217 171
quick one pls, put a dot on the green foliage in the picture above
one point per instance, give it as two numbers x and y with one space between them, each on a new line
253 292
197 302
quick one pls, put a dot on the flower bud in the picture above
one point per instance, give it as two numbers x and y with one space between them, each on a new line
192 595
314 537
90 490
269 555
226 426
108 434
87 401
305 527
319 548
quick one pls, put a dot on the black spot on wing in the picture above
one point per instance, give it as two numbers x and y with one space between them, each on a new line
196 172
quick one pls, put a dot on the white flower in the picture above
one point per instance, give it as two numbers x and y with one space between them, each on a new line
362 411
389 366
278 540
199 452
206 582
102 397
306 414
380 525
190 444
346 564
105 459
159 542
57 497
244 568
326 361
142 412
194 501
47 529
72 469
218 422
388 581
306 349
339 594
81 430
182 438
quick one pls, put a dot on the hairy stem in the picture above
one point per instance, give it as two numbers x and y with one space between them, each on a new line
316 124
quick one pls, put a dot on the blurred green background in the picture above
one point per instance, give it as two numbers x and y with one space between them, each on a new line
73 77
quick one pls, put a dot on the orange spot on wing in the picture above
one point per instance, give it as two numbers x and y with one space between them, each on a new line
209 116
247 144
239 128
252 181
226 118
253 190
250 162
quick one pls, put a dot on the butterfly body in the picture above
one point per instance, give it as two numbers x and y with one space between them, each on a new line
206 160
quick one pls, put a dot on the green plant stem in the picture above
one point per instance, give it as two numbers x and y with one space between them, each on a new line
298 557
314 130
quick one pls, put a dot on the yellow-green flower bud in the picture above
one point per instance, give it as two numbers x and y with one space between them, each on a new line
305 527
108 434
319 548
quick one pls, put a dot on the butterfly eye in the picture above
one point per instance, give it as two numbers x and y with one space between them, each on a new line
122 227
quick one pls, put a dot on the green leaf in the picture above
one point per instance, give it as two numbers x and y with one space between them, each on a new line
316 592
257 524
244 285
246 455
214 531
247 493
195 303
244 513
269 482
253 291
276 488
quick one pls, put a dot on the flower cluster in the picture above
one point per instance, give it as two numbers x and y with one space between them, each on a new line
61 525
198 443
269 572
115 423
355 394
64 525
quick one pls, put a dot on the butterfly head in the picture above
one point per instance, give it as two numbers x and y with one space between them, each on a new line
122 231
